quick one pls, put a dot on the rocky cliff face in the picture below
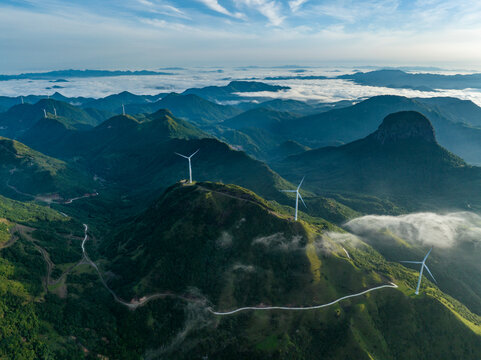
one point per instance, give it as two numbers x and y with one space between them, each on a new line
405 125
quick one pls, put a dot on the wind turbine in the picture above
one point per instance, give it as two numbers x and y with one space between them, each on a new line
423 266
55 111
123 109
298 196
45 113
190 164
22 99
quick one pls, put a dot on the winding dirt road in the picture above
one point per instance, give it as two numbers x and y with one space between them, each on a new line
293 308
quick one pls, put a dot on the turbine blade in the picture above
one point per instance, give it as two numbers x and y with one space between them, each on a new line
182 155
426 267
288 190
301 183
412 262
194 153
429 252
300 197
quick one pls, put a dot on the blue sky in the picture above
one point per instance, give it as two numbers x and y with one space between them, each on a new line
134 34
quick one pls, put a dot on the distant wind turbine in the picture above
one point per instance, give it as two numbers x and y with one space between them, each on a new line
123 109
22 99
298 196
45 113
190 164
55 111
423 266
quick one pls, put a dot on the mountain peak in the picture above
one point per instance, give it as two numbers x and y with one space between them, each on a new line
161 114
405 125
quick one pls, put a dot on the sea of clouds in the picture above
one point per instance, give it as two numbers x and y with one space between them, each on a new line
323 90
430 229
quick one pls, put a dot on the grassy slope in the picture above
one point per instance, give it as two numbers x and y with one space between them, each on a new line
254 254
33 173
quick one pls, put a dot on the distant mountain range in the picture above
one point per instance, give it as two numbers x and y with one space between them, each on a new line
419 81
60 74
189 107
20 118
231 91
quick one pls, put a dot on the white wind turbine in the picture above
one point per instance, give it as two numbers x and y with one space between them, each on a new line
298 196
45 113
22 99
123 109
423 266
190 164
55 111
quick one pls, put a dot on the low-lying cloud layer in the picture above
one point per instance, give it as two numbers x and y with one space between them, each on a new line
440 230
322 90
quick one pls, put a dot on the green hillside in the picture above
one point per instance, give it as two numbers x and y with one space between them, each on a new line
113 103
401 161
354 122
20 118
189 107
27 173
255 254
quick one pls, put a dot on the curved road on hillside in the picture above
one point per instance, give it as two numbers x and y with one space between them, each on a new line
144 300
135 303
293 308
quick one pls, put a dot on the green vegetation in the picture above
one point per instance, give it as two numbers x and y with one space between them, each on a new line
27 173
216 245
400 162
257 255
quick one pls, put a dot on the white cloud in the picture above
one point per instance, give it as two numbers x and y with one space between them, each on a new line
268 8
296 4
146 2
424 228
214 5
279 241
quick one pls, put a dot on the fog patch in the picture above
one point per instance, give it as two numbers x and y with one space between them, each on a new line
344 238
279 241
440 230
244 268
225 240
240 222
324 246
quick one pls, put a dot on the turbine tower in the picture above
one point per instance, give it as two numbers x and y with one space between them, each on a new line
423 266
123 109
190 164
55 111
298 196
22 99
45 113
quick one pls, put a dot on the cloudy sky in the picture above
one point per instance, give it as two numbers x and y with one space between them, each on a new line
135 34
